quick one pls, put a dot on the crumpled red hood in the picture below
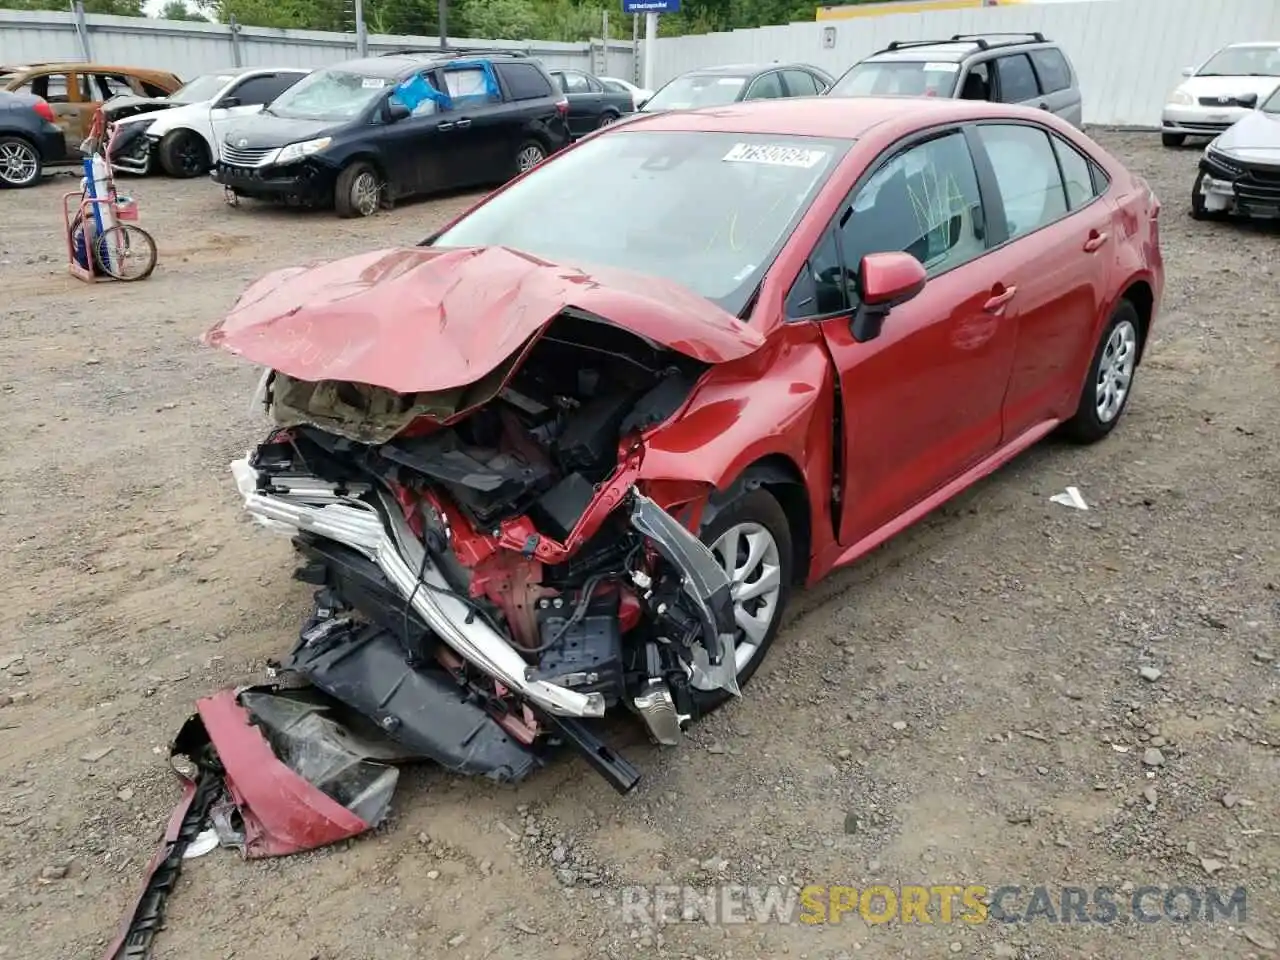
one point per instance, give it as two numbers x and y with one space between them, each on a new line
420 320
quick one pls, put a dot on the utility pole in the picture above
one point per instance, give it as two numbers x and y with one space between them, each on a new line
443 7
362 35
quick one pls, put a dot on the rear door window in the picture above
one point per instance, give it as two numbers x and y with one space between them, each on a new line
1027 175
1076 175
523 81
466 83
1017 79
1052 67
110 85
573 82
800 83
766 87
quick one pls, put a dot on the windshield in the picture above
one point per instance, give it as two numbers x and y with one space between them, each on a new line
329 95
1272 104
695 90
1243 62
912 78
709 211
202 88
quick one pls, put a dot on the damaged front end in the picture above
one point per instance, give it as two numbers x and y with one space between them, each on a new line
490 570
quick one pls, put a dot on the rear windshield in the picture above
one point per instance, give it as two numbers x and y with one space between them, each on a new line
908 78
709 211
1243 62
329 95
696 90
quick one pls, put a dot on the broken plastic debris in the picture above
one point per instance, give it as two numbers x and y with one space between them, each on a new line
204 841
1070 498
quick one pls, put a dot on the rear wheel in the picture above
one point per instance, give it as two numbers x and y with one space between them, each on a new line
529 155
358 191
1173 139
751 539
184 154
1106 390
125 252
607 118
20 163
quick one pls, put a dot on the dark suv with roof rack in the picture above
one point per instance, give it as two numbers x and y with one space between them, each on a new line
367 132
1020 68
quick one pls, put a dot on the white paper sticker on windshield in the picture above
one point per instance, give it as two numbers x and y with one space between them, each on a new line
776 155
941 67
373 83
731 81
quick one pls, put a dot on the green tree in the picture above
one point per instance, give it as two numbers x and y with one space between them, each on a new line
178 10
120 8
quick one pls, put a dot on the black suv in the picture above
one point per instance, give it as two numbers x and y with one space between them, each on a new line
368 132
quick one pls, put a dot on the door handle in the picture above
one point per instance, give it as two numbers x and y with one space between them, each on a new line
464 122
997 301
1095 241
446 125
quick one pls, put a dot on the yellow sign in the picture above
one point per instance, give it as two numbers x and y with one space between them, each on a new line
849 11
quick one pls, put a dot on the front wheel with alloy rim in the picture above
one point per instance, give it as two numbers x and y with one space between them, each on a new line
183 154
358 191
1110 381
20 164
530 154
751 539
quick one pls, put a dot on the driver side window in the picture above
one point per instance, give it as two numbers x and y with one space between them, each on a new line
923 201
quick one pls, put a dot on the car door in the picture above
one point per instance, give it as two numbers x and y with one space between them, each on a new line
1062 234
585 104
922 401
415 150
1016 81
479 128
1057 83
766 86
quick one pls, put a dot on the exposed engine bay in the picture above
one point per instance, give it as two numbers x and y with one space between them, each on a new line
488 573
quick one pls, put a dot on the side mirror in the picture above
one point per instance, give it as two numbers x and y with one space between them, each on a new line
395 111
1248 100
888 280
640 104
1188 71
226 102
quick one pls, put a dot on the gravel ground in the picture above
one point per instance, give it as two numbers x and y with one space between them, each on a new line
1012 692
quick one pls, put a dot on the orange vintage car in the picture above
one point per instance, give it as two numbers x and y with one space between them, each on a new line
76 90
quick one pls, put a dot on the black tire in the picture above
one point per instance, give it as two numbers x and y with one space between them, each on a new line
606 119
1198 211
20 163
127 240
358 191
1173 139
183 154
528 155
1087 425
755 507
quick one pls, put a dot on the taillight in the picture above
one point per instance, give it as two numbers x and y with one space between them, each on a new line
562 107
45 111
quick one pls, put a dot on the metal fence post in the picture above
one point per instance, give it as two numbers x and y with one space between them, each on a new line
443 7
635 48
362 34
233 26
82 29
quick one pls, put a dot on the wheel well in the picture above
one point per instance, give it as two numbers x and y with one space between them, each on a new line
21 135
780 476
370 159
1143 299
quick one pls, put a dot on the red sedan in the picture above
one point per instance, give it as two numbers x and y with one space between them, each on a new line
574 451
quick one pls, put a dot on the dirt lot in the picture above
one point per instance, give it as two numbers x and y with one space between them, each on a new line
966 706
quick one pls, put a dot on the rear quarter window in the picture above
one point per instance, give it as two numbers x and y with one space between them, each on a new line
523 81
1051 65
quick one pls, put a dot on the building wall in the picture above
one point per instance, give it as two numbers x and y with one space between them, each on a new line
1128 53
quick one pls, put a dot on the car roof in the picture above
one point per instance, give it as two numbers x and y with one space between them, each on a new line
56 66
743 69
832 117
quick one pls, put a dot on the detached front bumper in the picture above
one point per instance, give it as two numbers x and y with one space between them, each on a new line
307 181
384 537
1199 121
132 151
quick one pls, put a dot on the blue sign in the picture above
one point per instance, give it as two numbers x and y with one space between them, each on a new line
650 6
